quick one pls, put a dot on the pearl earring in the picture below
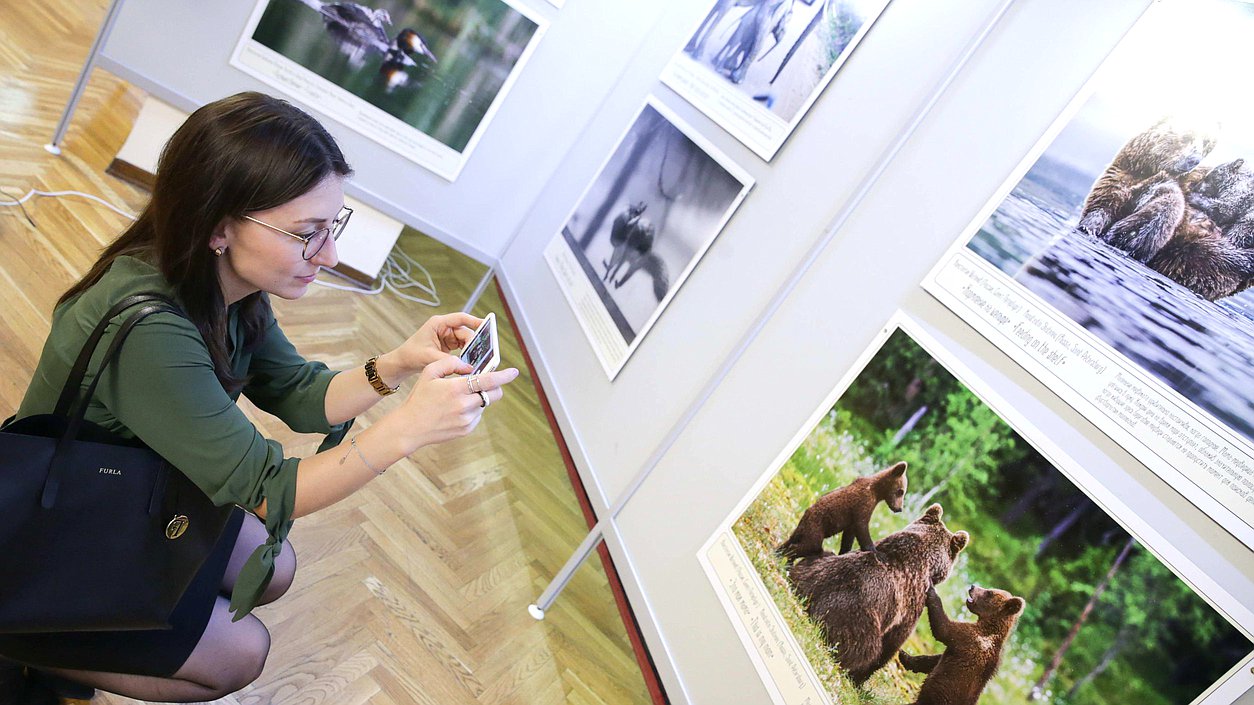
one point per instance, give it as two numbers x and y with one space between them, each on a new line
218 252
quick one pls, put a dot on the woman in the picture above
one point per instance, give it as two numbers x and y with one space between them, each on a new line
247 204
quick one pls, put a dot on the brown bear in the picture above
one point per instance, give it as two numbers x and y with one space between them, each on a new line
1200 257
867 604
972 649
1154 219
1190 179
1225 194
1151 159
1209 250
1241 232
847 510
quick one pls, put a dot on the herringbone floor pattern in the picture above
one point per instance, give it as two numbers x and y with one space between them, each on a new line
414 589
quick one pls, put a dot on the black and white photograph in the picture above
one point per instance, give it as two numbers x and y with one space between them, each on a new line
756 66
640 228
421 77
918 543
1129 234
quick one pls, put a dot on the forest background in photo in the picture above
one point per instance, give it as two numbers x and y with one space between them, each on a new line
1106 622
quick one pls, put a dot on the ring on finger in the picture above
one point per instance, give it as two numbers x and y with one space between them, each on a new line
483 400
474 384
469 390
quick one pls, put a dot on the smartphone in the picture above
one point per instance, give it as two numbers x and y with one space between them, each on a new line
483 352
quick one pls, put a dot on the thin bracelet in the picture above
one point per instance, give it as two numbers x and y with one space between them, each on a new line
353 444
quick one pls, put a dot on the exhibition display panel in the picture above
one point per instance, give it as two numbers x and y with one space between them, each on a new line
702 280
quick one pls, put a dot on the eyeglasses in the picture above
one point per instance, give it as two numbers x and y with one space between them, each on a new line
316 239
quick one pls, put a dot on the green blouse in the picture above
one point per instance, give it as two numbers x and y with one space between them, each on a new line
163 390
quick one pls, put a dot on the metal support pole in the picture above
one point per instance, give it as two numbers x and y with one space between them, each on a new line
54 147
564 575
478 292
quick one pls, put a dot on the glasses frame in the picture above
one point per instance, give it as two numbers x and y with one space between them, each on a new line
333 232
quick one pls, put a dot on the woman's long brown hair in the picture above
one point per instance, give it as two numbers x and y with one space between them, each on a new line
246 153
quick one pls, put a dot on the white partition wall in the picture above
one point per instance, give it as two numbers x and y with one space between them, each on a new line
1030 67
615 427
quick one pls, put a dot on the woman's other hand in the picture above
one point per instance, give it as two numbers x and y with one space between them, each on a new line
436 340
441 406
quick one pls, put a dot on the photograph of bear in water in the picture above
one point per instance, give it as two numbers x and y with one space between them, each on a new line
986 574
1136 221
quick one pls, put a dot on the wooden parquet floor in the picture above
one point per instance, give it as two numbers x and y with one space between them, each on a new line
414 589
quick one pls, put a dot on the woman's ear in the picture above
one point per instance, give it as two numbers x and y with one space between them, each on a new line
219 238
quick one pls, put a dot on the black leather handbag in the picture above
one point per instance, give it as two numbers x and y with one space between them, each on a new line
96 532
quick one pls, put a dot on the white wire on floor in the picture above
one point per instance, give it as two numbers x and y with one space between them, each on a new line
397 273
56 194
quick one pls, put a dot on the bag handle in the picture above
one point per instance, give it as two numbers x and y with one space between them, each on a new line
73 383
76 416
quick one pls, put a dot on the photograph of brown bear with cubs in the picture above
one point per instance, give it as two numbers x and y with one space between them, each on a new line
1137 221
921 551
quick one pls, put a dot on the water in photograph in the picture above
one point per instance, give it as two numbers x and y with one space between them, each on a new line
1203 350
476 44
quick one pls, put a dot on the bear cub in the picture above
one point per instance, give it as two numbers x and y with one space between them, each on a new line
972 649
846 510
1224 193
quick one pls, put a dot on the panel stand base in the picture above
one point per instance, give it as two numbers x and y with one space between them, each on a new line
562 579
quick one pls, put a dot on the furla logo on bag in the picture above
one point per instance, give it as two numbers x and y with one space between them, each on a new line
110 471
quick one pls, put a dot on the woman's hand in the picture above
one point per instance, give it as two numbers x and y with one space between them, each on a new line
441 407
434 341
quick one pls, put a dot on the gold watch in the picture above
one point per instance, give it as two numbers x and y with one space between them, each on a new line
372 374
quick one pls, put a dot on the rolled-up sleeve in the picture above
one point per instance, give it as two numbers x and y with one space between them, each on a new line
283 383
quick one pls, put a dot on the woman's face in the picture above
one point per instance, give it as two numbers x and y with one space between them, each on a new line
257 258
